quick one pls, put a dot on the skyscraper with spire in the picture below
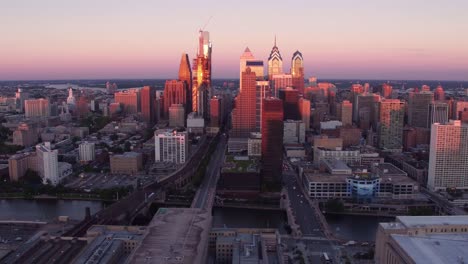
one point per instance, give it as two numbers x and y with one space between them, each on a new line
201 85
275 62
297 71
185 75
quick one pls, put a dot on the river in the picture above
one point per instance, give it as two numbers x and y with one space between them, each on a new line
45 210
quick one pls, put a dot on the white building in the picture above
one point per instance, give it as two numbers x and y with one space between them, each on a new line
347 156
254 145
50 170
71 98
87 152
171 146
293 132
448 158
195 123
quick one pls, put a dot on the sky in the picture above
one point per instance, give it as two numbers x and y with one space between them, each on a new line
358 39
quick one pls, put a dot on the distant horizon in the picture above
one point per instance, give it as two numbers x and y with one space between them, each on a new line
339 39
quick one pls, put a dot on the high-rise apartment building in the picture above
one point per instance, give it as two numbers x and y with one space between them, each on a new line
129 99
385 90
365 109
20 98
216 111
304 112
275 62
355 90
459 108
171 146
36 108
272 140
47 163
418 108
290 99
297 71
448 158
175 92
201 85
147 99
18 164
391 115
438 113
345 113
87 152
244 114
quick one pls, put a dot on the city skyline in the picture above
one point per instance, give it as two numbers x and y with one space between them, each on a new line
359 40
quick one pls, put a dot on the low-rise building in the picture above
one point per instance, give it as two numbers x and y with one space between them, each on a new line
293 132
422 239
254 145
126 163
195 123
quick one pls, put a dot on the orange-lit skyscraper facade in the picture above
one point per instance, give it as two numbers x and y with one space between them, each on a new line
275 62
290 99
175 92
201 85
297 71
390 127
272 140
129 99
244 114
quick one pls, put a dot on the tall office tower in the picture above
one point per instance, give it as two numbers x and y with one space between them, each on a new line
244 115
147 95
425 88
263 91
280 81
366 109
448 158
216 114
297 71
290 99
275 62
304 112
438 113
345 113
247 59
175 92
385 90
71 98
20 98
355 90
129 99
332 102
47 163
201 85
177 115
87 152
272 141
439 94
185 72
391 114
36 108
171 146
418 108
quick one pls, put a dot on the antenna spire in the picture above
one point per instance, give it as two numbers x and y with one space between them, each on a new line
275 40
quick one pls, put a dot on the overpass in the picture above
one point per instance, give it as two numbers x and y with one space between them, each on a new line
443 204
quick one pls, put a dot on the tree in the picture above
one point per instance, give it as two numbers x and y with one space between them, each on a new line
335 205
114 137
127 146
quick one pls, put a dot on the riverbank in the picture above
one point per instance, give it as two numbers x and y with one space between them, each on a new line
80 197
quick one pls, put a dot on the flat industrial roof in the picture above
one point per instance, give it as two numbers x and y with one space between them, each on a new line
434 249
418 221
175 235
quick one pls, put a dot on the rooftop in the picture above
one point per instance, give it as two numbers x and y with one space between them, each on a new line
418 221
236 164
175 235
389 169
434 249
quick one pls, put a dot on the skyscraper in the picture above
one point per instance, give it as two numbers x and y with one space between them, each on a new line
304 112
185 72
290 99
263 91
345 113
175 92
297 71
365 109
272 141
418 108
438 113
148 111
216 111
448 158
47 163
355 90
385 90
129 99
71 99
244 114
201 85
280 81
390 124
275 62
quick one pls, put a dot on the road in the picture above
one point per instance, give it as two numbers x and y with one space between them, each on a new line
443 202
204 197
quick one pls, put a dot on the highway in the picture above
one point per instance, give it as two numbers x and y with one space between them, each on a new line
204 197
